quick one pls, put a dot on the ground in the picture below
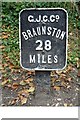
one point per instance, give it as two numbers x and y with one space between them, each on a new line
19 87
61 92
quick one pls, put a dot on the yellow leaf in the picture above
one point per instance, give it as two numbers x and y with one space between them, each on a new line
71 33
22 82
65 105
4 82
23 101
31 89
52 74
59 72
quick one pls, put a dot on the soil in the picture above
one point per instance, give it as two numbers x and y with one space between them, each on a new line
45 94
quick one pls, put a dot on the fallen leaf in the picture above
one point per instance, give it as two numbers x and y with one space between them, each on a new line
53 79
57 105
11 66
15 85
25 91
59 99
29 80
31 84
23 76
65 105
52 74
78 64
5 36
22 82
77 89
12 102
5 64
78 73
69 79
4 82
68 86
23 100
29 73
77 59
71 33
59 72
63 75
71 104
2 47
56 88
65 71
63 84
31 89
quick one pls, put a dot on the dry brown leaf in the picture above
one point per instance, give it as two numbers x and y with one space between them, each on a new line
11 66
63 84
5 36
69 68
25 91
56 88
4 82
29 80
31 84
5 64
78 64
7 59
69 79
12 102
53 79
63 75
29 73
15 85
65 71
31 89
2 47
23 76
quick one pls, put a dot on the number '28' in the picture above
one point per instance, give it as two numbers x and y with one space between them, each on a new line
47 45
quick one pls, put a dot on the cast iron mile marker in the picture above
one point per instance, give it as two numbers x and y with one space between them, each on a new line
43 35
43 39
